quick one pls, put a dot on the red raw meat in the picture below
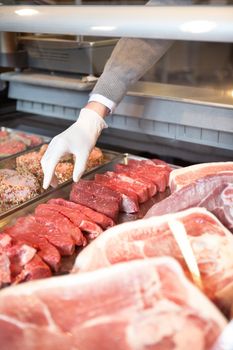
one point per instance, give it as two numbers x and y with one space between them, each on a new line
46 250
5 272
33 270
138 305
34 139
129 199
19 255
124 169
11 147
138 187
97 197
63 242
211 242
187 175
78 219
150 166
56 220
214 192
158 177
99 218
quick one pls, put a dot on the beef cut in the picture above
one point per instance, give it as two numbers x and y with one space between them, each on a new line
76 218
138 187
97 197
56 220
99 218
123 169
211 242
214 192
129 199
150 172
185 176
136 305
47 251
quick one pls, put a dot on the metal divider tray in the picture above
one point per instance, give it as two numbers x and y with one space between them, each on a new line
14 133
63 190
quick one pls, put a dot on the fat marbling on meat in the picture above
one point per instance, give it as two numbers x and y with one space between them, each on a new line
138 305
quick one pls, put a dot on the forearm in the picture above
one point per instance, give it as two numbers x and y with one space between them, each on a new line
130 59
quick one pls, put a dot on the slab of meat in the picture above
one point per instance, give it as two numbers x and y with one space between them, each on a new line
214 192
58 221
123 169
97 197
185 176
129 199
5 272
77 218
152 173
56 236
33 238
138 187
137 305
33 270
10 147
211 242
99 218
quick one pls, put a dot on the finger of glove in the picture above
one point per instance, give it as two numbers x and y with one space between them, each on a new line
48 166
80 165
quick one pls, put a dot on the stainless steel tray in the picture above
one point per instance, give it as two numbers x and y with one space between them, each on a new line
44 139
63 190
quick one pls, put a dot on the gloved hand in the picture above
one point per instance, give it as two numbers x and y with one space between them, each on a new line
79 140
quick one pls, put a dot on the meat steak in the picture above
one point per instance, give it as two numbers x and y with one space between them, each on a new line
185 176
99 218
129 199
157 176
214 192
56 220
151 306
97 197
211 242
77 218
33 238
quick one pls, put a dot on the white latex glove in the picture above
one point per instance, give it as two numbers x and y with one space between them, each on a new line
79 140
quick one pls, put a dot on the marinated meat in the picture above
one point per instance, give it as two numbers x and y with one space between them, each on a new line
136 305
10 147
31 163
77 218
214 192
96 158
185 176
17 188
99 218
129 199
97 197
5 173
211 242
